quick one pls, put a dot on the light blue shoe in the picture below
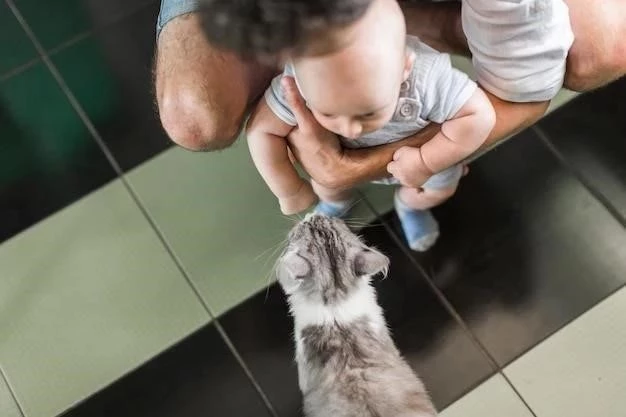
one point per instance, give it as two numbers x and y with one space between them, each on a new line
338 209
420 227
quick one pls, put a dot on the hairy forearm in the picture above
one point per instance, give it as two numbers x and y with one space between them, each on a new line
437 24
358 166
512 118
367 164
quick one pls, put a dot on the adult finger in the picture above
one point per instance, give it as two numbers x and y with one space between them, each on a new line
296 104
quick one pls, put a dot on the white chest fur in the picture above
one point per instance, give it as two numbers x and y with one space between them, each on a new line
360 304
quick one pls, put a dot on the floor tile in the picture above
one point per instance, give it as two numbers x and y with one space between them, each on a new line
197 377
8 406
262 332
48 159
56 21
218 216
590 133
525 248
110 73
581 370
85 296
15 47
493 398
446 359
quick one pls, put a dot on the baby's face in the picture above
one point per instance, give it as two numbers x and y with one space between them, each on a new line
355 97
354 90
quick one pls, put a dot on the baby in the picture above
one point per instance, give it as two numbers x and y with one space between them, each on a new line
382 87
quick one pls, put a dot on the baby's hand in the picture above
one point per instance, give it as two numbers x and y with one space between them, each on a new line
408 167
300 201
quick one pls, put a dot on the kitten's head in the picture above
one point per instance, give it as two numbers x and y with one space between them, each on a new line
324 261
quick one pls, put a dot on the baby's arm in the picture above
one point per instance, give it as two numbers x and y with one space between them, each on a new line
460 136
466 116
267 141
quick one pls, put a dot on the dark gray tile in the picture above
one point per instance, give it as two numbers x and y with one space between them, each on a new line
48 159
110 75
590 133
434 344
525 248
197 377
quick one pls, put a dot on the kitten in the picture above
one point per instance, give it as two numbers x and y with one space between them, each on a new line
348 366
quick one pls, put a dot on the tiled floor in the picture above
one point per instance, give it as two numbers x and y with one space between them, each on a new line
144 293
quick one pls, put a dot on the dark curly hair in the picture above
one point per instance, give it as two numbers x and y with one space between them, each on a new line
267 27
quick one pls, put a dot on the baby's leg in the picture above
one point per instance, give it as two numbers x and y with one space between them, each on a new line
333 202
426 198
412 205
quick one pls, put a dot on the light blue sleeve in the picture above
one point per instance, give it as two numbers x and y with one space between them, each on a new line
444 90
276 100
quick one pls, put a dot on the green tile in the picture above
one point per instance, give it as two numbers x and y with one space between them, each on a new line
380 197
464 64
579 371
563 97
8 407
40 130
493 398
89 76
15 47
86 296
55 21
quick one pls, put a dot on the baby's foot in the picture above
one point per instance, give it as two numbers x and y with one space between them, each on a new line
420 226
339 209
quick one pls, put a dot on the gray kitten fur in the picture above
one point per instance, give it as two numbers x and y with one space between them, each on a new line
348 365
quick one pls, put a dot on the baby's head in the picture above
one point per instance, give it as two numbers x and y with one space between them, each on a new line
355 89
325 262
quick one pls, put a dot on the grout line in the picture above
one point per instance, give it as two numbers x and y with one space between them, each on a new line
71 41
519 394
438 293
135 197
3 376
602 199
450 308
77 38
97 29
19 69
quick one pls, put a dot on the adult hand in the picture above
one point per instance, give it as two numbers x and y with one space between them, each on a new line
317 149
321 155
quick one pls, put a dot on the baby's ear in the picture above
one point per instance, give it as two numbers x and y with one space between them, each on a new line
370 262
291 270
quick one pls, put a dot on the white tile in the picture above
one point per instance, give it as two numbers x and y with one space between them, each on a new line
494 398
581 370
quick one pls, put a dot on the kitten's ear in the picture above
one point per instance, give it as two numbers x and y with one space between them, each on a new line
291 269
370 262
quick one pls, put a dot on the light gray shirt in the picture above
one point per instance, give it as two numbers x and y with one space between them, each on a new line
519 47
434 91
